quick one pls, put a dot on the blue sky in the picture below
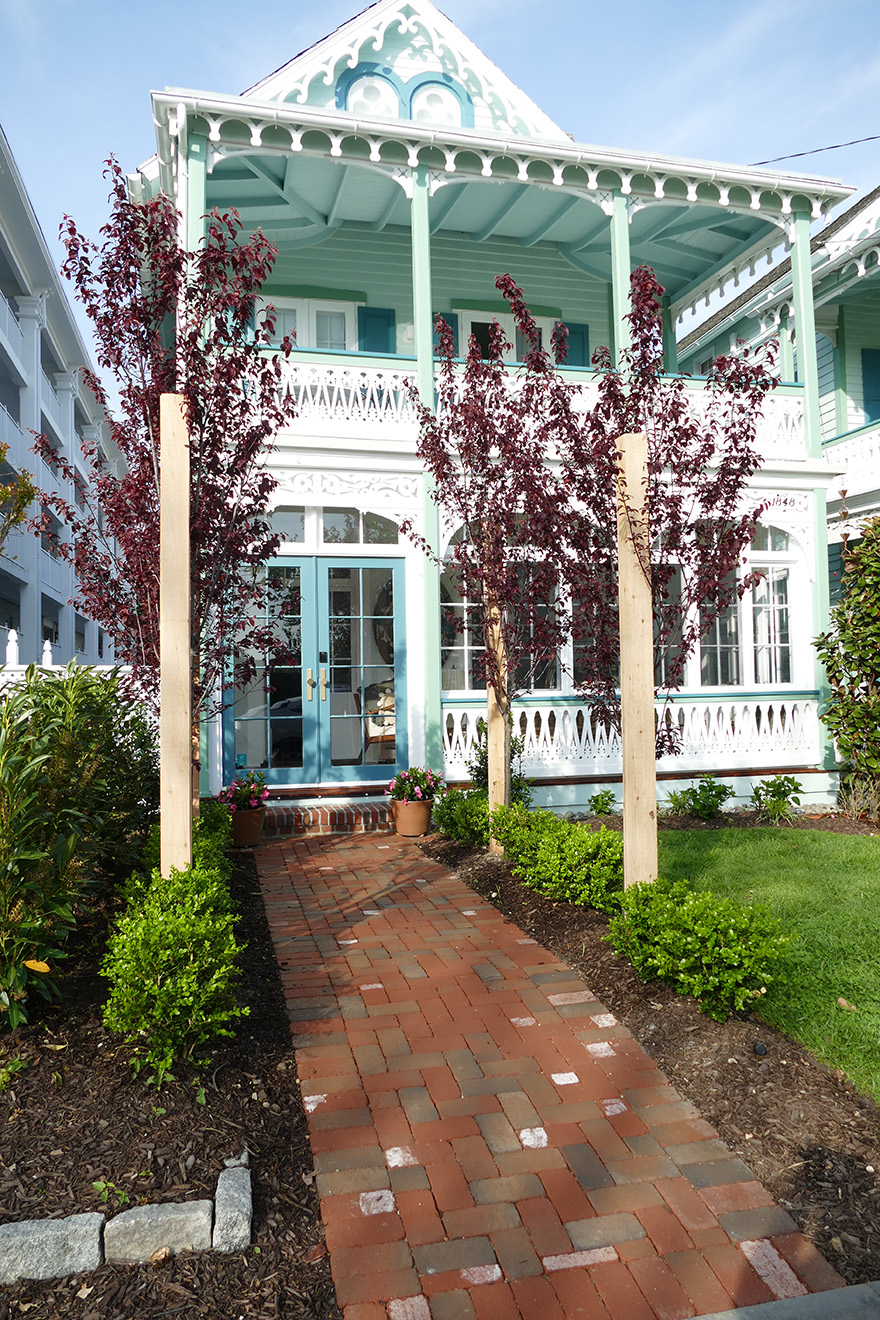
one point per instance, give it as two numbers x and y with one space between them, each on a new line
732 83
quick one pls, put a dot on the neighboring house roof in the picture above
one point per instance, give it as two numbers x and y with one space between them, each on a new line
849 237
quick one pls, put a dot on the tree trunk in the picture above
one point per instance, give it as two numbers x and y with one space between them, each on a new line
636 663
497 720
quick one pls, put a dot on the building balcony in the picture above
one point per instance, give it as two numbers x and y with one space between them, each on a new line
51 404
10 330
358 397
859 452
12 436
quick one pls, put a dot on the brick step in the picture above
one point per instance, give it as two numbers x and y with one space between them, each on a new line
285 819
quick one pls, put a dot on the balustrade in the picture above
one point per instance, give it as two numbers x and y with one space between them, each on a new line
860 452
565 739
10 328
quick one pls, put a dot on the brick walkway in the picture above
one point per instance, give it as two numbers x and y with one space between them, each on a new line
489 1141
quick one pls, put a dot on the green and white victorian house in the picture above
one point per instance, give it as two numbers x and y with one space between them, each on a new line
399 172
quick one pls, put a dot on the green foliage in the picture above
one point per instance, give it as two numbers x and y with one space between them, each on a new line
16 498
36 884
722 953
704 799
850 652
561 859
417 784
603 803
106 1189
775 799
463 816
478 767
171 962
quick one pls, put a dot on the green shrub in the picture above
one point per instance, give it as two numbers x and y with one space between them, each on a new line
703 800
478 767
604 803
463 815
37 885
171 964
715 949
562 859
775 799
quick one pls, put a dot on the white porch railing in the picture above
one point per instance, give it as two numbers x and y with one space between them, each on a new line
755 732
11 670
12 436
50 403
10 328
336 398
860 451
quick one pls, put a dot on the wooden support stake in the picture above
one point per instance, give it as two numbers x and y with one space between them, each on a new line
636 663
497 723
175 657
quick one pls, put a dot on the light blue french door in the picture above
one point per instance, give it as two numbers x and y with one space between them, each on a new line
334 709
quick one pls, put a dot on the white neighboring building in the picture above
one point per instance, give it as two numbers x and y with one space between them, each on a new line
41 389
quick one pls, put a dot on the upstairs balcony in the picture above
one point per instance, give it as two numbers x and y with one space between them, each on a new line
359 398
859 452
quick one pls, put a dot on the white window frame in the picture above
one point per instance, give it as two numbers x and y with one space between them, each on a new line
505 319
307 310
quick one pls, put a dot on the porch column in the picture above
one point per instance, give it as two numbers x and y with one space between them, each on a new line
424 344
196 189
808 377
670 347
621 268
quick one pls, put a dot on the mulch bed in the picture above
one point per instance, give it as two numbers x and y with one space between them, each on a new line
805 1131
75 1116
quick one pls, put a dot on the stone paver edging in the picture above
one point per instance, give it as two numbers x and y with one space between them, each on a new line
488 1139
54 1248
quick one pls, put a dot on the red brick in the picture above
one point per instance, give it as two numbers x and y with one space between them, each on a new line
386 1257
737 1276
619 1291
494 1301
807 1263
450 1189
366 1311
660 1286
420 1218
685 1129
709 1237
629 1197
474 1157
544 1226
536 1298
360 1230
690 1208
343 1139
577 1293
664 1229
636 1249
377 1287
736 1196
441 1084
699 1282
566 1194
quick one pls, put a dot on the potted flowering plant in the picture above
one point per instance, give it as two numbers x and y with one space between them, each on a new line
245 797
412 792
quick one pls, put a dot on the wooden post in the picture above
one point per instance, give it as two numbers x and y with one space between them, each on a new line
175 658
636 663
497 724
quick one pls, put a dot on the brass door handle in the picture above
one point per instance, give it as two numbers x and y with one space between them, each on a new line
310 683
323 684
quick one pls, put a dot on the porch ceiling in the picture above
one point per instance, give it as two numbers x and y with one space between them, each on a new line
299 200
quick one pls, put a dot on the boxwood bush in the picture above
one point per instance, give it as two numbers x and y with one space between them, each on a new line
561 858
720 951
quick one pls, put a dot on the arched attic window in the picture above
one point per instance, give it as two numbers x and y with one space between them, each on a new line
375 96
432 103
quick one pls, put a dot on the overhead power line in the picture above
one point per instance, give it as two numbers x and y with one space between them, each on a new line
817 150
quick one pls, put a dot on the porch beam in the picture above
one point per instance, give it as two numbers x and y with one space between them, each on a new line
423 325
293 197
501 214
455 194
544 228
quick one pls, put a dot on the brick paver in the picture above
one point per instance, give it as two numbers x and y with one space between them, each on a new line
488 1139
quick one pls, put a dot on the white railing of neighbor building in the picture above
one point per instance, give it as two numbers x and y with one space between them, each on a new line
564 739
10 327
335 397
860 451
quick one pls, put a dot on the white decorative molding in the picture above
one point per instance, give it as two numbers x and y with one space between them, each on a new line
364 489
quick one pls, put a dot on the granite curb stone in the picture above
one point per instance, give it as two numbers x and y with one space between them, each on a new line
132 1237
50 1248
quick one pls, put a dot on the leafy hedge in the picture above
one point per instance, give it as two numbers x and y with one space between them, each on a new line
172 960
719 951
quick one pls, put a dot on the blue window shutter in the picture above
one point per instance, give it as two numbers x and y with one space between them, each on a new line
871 383
451 319
578 345
376 326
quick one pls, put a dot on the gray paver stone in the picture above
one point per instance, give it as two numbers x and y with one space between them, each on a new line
50 1248
746 1225
134 1235
604 1231
232 1211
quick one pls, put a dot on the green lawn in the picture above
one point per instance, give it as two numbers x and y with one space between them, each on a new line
825 889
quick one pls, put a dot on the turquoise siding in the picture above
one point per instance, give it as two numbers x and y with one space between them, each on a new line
862 331
379 264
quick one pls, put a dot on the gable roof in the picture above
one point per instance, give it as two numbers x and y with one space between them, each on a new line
362 39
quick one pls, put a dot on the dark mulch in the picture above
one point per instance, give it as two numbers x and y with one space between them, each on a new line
75 1116
805 1131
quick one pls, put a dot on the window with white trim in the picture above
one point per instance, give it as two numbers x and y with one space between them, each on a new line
315 323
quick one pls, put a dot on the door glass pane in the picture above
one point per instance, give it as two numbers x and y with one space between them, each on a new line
286 716
341 526
290 524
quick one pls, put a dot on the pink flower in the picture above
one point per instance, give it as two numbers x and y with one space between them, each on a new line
418 791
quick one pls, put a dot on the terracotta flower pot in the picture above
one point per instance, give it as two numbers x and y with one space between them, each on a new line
247 826
411 819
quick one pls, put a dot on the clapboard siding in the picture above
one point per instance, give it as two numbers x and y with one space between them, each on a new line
825 357
380 265
862 331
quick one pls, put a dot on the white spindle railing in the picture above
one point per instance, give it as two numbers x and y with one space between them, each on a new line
333 398
715 735
10 328
861 454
